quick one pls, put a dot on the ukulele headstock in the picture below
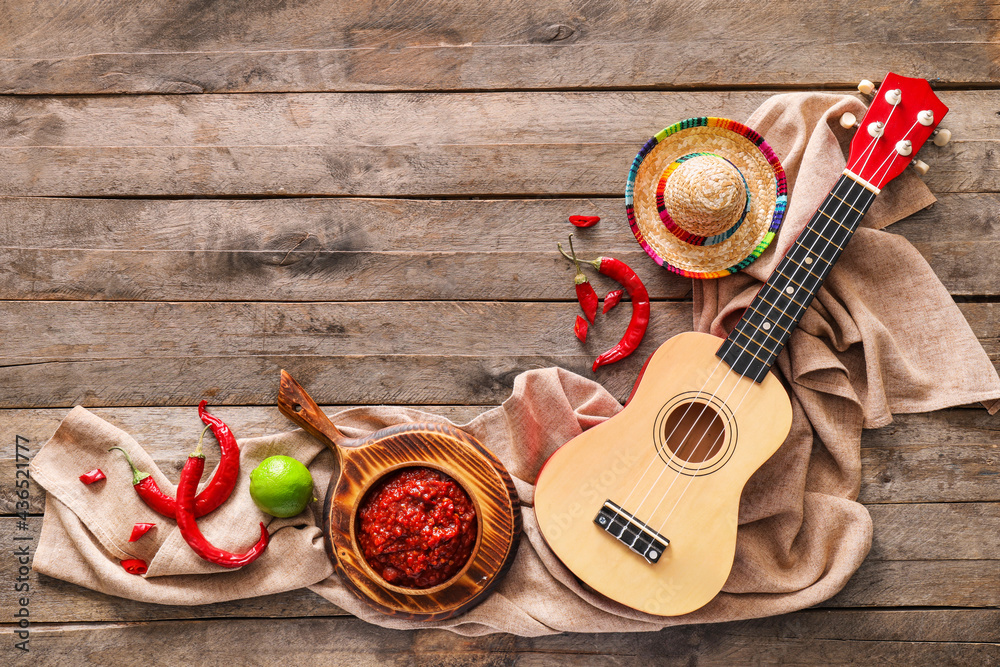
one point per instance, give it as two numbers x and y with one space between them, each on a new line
903 114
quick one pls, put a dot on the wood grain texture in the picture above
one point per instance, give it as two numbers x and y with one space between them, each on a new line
609 461
363 461
198 46
828 637
346 249
402 145
127 353
465 460
418 353
542 105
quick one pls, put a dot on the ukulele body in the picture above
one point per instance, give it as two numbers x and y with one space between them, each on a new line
685 490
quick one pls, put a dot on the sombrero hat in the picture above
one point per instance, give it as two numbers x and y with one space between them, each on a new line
705 197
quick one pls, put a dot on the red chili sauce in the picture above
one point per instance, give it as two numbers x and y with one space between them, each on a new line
417 527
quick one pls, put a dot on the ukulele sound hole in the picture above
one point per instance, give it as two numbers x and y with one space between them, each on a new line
694 432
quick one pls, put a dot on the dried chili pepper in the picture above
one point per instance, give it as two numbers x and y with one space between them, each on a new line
135 566
612 299
190 476
585 293
619 271
215 493
584 220
140 529
580 329
95 475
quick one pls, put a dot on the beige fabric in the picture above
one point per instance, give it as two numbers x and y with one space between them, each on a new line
859 355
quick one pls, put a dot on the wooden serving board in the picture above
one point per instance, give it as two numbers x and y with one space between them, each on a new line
361 462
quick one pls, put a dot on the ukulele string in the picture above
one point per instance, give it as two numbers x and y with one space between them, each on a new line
887 162
678 473
875 139
747 393
892 155
655 457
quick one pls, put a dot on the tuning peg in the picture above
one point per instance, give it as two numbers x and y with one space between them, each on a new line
920 166
941 136
848 120
866 87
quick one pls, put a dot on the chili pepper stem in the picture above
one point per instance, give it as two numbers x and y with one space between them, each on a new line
197 452
137 475
579 278
596 263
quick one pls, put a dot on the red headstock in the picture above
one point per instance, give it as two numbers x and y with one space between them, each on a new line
879 152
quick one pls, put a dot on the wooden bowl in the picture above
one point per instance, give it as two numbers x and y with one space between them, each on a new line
362 462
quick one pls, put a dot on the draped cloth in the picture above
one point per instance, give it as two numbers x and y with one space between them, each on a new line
883 336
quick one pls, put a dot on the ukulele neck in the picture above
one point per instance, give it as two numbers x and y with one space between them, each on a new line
758 338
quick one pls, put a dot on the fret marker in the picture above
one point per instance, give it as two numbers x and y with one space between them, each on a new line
766 326
789 290
809 260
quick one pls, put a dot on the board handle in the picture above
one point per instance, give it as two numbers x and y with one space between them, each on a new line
297 405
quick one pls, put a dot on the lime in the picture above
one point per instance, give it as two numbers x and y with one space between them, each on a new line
281 486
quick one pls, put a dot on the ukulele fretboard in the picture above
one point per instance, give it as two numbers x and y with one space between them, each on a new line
758 338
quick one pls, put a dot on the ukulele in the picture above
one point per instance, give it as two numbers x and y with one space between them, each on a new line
643 508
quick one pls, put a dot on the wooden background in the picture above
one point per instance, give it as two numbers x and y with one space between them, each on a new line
196 194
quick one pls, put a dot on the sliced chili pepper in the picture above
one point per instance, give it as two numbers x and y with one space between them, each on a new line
612 299
140 529
585 293
215 493
190 476
636 329
580 329
584 220
95 475
135 566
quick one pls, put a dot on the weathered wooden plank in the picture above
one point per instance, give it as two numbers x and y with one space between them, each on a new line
449 44
86 330
917 583
133 353
344 249
889 637
510 144
936 531
948 455
428 352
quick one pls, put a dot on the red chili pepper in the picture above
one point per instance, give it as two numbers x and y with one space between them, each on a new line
224 480
135 566
612 299
584 220
580 329
95 475
140 529
636 329
190 476
215 493
585 293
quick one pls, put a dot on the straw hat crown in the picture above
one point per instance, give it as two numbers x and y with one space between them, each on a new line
705 195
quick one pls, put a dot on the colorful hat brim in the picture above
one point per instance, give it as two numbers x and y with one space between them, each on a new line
753 240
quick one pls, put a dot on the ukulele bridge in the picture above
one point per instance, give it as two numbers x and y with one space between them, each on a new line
631 532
